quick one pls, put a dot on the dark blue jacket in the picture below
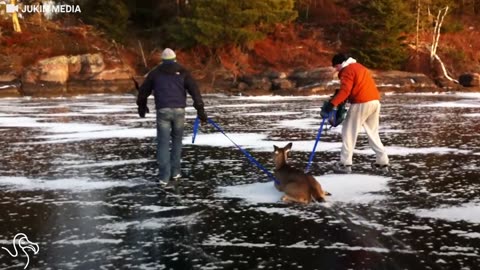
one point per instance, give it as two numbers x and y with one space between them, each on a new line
170 83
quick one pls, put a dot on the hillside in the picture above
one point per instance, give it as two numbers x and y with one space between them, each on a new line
290 47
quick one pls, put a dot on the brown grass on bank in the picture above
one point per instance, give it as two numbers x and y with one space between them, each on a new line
291 47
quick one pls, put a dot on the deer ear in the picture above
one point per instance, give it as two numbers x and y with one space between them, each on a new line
289 146
275 148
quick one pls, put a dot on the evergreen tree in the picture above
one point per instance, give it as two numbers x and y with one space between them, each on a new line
214 23
110 15
149 15
381 28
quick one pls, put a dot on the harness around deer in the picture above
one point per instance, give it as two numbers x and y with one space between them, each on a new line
297 185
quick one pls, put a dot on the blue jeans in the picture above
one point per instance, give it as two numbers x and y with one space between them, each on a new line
170 124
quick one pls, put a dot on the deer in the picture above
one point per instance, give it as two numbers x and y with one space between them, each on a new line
298 186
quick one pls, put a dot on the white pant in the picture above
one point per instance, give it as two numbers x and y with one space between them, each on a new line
367 115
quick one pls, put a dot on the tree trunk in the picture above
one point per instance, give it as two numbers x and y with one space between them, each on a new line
143 54
16 23
436 38
436 32
444 70
418 27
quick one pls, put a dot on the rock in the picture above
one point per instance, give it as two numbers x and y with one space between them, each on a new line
445 83
9 90
469 79
282 84
256 82
7 77
62 68
299 74
272 74
324 80
120 73
53 69
248 79
242 86
313 78
262 84
402 79
324 73
85 66
9 84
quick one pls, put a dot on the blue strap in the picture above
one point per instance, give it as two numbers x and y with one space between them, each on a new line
195 129
319 134
252 159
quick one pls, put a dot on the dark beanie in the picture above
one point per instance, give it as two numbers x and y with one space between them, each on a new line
339 58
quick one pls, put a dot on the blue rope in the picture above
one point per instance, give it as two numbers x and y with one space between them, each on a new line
252 159
195 128
319 134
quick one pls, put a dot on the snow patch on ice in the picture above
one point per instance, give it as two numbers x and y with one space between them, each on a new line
109 163
351 188
258 142
465 234
78 242
277 98
74 184
271 113
455 104
452 213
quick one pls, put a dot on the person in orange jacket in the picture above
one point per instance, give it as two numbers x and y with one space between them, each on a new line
358 87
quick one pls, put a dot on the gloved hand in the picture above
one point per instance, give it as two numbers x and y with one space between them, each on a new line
202 115
333 117
142 110
326 109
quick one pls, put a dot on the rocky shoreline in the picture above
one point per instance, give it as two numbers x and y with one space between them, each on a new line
68 75
89 74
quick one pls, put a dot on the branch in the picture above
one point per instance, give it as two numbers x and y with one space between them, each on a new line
445 73
436 32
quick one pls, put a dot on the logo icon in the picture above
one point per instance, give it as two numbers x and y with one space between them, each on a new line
12 8
22 241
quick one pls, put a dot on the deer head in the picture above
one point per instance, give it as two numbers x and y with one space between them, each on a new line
280 155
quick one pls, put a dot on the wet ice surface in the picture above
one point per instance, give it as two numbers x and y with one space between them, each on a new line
77 176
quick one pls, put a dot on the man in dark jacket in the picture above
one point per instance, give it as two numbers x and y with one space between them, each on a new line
170 83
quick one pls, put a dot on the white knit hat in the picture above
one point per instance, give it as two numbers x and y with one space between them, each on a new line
168 54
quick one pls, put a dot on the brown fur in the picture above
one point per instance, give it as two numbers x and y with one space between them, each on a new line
297 185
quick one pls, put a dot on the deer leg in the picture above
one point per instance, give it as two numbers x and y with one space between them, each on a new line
287 198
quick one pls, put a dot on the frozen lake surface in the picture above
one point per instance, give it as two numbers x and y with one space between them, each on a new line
77 176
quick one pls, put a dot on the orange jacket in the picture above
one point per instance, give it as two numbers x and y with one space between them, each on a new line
356 85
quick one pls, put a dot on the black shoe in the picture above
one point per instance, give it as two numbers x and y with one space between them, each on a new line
340 168
381 168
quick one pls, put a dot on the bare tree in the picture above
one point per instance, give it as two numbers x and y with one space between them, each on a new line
16 23
417 27
436 38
